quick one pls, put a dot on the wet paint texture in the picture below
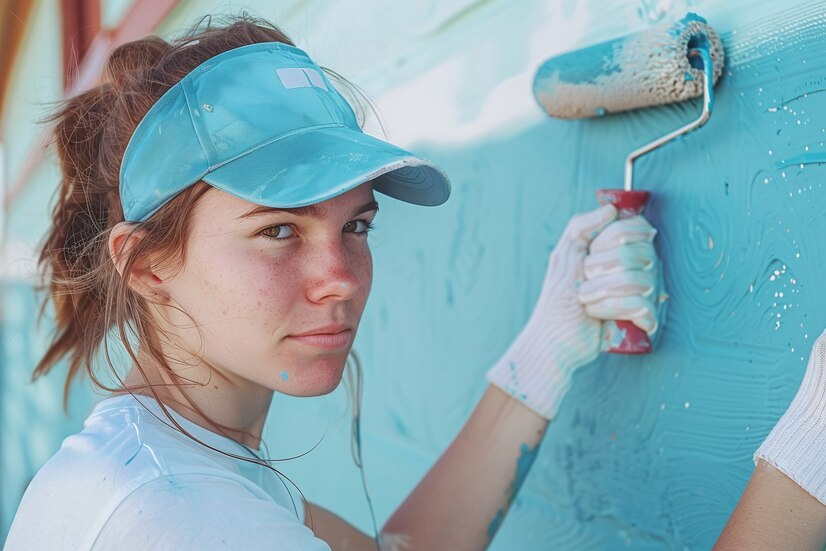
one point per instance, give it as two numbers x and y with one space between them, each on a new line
648 453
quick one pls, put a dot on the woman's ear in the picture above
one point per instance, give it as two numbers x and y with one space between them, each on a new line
142 279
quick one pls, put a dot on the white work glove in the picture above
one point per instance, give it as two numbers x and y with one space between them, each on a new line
797 443
619 280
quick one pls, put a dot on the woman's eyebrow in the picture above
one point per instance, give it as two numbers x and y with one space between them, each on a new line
313 211
367 207
310 210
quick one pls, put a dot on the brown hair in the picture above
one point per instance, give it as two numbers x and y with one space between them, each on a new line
90 298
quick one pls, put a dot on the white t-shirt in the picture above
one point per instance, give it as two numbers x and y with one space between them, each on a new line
129 481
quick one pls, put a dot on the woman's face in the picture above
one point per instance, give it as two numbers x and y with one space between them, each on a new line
277 294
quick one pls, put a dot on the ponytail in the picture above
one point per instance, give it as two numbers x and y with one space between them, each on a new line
91 131
74 257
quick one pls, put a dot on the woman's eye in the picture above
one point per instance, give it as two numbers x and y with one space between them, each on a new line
282 231
358 226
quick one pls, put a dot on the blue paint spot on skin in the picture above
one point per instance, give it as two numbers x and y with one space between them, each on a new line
600 111
523 466
284 376
494 525
343 285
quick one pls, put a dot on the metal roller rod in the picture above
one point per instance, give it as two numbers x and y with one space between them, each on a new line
708 98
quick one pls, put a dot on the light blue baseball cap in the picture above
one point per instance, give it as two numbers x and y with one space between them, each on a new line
263 123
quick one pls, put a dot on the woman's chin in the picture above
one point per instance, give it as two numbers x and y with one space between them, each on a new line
316 379
307 391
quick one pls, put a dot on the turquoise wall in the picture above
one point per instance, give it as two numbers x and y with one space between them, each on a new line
648 453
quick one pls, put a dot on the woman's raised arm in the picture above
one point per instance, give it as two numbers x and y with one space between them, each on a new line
463 499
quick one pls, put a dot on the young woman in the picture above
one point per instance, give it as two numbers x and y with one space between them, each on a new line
212 218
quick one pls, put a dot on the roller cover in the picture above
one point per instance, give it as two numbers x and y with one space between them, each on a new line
648 68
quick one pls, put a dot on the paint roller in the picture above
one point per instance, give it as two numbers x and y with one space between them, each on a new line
664 64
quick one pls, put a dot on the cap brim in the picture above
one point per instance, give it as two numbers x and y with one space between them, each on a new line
320 163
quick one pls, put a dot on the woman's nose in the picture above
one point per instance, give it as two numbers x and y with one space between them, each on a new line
333 275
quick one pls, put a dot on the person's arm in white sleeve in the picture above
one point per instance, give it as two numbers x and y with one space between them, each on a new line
202 512
784 504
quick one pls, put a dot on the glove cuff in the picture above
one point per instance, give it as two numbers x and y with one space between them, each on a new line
797 443
536 369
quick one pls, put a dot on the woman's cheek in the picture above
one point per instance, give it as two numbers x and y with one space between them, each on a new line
275 283
234 282
366 266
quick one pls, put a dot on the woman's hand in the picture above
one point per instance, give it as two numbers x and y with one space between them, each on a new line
617 280
623 280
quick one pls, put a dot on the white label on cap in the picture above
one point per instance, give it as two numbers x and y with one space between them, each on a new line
315 78
295 77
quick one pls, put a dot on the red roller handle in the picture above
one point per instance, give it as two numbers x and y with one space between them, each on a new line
626 337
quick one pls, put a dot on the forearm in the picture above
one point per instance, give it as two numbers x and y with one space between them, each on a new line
339 534
774 514
464 497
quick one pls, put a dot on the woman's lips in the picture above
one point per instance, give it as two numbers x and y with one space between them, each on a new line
328 341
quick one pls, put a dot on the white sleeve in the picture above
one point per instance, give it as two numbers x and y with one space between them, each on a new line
202 512
797 443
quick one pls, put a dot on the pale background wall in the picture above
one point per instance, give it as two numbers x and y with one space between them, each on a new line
648 453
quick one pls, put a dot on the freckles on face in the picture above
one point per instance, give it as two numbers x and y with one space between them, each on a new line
251 294
246 283
236 295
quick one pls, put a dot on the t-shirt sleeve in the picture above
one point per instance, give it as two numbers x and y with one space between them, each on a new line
200 512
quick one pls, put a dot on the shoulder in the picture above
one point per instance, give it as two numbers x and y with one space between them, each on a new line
119 450
203 511
68 491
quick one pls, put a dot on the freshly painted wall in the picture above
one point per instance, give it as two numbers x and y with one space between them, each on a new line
648 453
